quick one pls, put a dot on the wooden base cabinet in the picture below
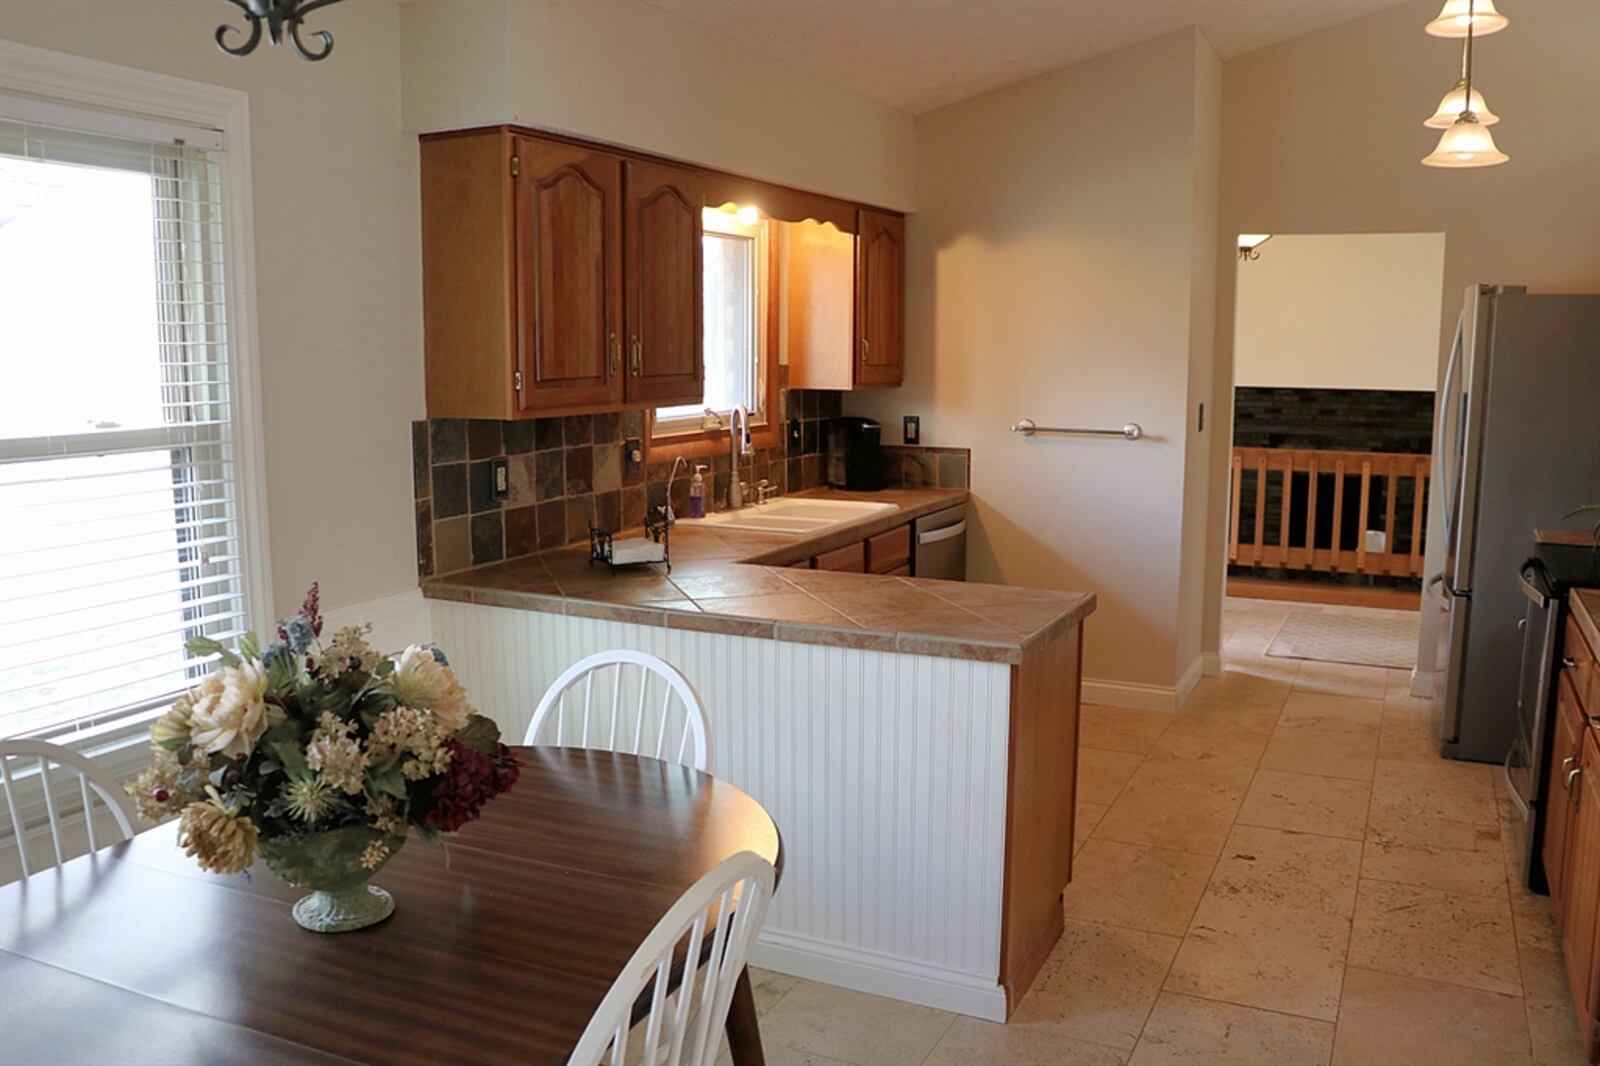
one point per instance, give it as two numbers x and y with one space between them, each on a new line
542 260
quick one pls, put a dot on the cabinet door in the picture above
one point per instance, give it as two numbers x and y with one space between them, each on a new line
1582 922
880 299
569 276
663 282
1559 798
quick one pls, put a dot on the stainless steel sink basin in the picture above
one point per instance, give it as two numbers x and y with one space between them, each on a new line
794 517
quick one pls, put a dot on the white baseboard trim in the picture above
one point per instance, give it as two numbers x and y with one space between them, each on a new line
1186 683
398 620
1211 663
880 975
1130 694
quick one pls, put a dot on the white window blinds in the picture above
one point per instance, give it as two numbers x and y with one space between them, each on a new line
119 533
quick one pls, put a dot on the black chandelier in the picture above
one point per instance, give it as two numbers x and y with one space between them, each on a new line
279 15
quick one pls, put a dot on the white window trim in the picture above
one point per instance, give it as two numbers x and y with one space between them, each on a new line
91 83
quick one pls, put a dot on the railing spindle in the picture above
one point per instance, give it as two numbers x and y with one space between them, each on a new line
1261 506
1238 495
1361 517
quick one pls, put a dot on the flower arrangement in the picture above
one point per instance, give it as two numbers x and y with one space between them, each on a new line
310 736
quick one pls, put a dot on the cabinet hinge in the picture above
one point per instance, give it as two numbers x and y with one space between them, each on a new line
516 379
516 167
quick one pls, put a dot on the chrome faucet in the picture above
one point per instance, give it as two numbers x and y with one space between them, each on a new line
739 430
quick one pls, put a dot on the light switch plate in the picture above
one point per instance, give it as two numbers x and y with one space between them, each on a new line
912 431
501 469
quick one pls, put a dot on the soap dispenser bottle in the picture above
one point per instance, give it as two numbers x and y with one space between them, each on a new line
697 493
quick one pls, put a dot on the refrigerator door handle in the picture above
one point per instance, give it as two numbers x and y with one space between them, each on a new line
1448 450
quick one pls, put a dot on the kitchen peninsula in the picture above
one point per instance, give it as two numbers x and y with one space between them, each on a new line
915 740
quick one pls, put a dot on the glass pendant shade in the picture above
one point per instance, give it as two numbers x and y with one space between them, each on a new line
1457 15
1467 143
1455 102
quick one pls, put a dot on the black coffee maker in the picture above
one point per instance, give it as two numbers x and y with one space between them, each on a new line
855 458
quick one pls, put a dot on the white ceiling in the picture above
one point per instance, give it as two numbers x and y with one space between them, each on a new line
917 55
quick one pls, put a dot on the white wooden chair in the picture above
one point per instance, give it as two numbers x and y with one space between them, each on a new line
91 783
631 702
685 1028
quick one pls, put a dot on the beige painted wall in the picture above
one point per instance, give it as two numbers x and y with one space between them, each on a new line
628 73
1322 134
338 271
1340 311
1050 276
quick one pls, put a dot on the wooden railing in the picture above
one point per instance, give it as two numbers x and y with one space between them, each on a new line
1328 508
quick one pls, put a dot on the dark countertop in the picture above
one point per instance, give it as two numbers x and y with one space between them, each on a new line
740 583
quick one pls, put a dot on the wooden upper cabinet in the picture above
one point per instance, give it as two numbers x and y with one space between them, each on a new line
569 284
663 279
880 299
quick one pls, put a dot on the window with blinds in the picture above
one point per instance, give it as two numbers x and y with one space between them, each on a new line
119 532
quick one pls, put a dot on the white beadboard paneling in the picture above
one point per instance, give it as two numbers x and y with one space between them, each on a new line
885 772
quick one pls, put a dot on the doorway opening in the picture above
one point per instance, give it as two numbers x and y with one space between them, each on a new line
1336 348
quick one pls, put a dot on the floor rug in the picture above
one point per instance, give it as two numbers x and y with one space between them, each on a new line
1388 639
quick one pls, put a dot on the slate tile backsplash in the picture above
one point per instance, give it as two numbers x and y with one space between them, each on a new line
563 472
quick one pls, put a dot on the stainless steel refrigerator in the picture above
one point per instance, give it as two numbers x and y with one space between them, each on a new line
1517 446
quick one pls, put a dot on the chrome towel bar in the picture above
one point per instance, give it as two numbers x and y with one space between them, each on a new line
1028 427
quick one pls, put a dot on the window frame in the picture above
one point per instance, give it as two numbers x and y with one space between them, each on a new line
663 442
141 104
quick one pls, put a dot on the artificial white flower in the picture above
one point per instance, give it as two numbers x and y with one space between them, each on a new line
230 711
422 682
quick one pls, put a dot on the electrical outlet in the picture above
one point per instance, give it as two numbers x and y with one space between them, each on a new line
796 437
911 432
501 469
632 455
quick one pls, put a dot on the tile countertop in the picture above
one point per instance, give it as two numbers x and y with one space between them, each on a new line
736 582
1585 604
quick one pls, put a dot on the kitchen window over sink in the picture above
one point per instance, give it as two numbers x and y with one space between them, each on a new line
735 281
127 474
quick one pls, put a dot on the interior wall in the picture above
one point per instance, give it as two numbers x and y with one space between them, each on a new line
628 73
1340 311
1290 165
1049 269
338 270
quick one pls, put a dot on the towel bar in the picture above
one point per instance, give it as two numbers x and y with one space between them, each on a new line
1028 427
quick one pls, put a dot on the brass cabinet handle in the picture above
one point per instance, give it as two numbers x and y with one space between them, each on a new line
864 349
611 355
1572 775
633 355
1569 662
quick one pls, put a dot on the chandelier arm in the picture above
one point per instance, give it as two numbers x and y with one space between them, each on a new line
250 42
310 5
300 46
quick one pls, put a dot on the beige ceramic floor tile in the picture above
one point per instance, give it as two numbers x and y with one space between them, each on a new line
1102 774
1245 685
1272 928
1212 733
1552 1023
1330 753
1184 804
1438 788
1474 872
1099 984
1199 1032
1438 936
1088 816
857 1028
1120 728
779 1055
769 986
1342 679
1388 1020
1033 1042
1307 803
1534 920
1408 733
1137 887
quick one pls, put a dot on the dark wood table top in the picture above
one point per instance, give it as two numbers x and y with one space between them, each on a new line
501 946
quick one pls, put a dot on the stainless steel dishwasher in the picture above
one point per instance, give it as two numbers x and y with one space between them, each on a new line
939 544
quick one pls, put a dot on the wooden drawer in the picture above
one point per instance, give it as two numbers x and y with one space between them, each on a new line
1583 672
889 551
901 571
852 557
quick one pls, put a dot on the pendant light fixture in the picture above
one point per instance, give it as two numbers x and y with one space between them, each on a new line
1460 16
1466 141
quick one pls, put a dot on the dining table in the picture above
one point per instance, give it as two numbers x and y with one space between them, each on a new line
504 939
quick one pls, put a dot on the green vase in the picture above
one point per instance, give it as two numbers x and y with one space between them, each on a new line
329 864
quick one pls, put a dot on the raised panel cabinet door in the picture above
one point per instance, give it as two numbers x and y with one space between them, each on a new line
662 280
1582 924
880 299
1564 755
569 276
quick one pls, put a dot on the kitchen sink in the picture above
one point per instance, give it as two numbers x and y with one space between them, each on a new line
794 517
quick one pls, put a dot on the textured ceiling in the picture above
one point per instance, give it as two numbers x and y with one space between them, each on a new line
917 55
